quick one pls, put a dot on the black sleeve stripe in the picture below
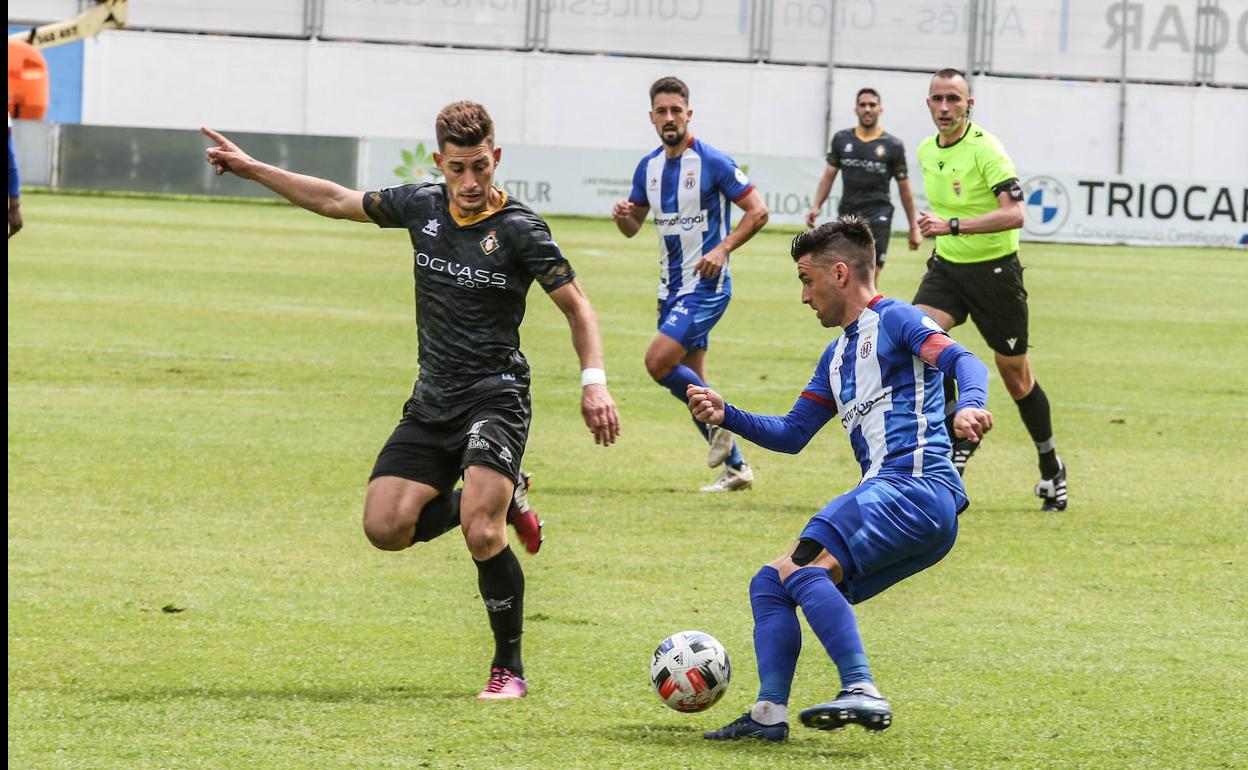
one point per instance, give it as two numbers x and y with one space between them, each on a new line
1011 186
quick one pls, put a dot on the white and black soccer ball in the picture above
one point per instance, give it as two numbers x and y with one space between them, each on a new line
690 671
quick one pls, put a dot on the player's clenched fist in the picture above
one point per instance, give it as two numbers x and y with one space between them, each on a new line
622 211
972 423
706 405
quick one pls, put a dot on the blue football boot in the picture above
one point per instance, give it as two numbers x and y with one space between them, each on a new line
851 707
746 727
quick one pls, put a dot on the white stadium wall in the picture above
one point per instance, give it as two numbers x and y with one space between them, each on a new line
576 124
356 89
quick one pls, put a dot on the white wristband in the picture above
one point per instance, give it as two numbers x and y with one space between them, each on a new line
593 377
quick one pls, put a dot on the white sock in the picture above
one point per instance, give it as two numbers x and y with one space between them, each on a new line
767 713
867 688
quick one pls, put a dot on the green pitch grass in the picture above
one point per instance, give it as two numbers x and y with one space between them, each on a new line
197 392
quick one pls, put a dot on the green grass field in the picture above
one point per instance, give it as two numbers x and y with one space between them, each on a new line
197 392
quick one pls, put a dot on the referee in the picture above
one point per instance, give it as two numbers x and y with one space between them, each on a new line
977 211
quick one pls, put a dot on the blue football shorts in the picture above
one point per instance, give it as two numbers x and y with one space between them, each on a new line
688 319
886 529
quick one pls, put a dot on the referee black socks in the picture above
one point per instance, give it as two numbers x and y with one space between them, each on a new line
501 582
1034 409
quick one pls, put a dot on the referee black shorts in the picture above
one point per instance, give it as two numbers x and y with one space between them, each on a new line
991 293
490 430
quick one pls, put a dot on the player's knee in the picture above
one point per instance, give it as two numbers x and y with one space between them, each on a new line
383 534
658 366
484 539
766 578
385 539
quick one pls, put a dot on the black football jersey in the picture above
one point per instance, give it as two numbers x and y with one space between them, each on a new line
471 283
866 169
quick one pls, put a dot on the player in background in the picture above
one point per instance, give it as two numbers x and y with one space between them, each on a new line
882 375
870 157
15 188
476 252
977 210
689 185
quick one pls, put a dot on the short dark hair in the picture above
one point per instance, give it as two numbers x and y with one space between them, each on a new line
669 84
847 239
465 124
871 91
952 72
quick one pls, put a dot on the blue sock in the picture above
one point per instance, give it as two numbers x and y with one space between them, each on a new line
832 619
676 381
777 635
735 459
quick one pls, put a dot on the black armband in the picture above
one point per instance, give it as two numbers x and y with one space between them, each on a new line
1011 186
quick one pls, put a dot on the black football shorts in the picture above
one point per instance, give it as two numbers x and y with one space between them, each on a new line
881 223
881 229
991 293
491 430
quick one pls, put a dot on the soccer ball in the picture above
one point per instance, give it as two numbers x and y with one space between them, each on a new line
690 671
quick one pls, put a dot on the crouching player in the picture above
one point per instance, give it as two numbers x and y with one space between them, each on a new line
883 376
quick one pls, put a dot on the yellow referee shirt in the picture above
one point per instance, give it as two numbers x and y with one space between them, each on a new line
959 181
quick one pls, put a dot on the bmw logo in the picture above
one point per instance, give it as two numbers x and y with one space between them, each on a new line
1046 205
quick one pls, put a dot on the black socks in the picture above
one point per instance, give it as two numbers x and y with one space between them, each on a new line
1034 409
439 515
502 589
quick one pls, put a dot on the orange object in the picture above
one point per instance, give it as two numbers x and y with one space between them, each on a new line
28 81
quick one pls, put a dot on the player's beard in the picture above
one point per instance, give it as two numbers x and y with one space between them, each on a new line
674 139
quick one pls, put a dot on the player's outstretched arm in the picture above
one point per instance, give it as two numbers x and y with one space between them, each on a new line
789 433
320 196
597 407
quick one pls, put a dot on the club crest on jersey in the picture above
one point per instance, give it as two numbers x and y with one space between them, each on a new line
957 188
431 228
864 350
849 147
881 150
689 181
489 244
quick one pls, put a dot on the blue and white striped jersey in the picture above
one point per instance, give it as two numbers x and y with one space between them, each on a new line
889 400
690 199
